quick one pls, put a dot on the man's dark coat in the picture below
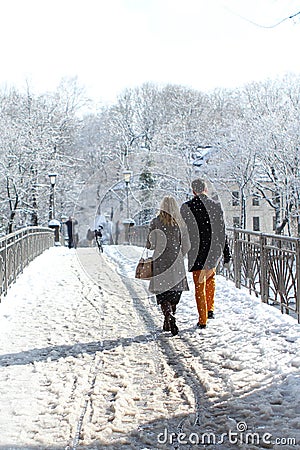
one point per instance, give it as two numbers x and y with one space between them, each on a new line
204 218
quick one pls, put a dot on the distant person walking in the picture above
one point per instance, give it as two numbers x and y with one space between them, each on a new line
204 218
90 237
117 232
169 240
72 238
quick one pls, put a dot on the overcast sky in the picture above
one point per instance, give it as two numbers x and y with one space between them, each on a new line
114 44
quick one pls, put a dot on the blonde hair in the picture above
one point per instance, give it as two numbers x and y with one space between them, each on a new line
169 212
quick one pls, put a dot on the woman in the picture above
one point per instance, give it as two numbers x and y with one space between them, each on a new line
169 240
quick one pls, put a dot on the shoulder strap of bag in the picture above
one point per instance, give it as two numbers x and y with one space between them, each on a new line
145 252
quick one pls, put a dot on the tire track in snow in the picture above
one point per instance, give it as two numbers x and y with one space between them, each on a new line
175 351
171 353
87 294
96 363
145 316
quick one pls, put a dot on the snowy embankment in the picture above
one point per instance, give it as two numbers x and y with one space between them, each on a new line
84 363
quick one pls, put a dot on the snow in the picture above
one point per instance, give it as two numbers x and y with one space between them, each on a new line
84 363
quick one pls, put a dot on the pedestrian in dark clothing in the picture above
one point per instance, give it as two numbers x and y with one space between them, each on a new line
117 233
90 236
169 240
71 232
204 218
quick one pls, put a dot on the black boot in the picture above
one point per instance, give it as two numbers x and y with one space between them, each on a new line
169 322
166 325
173 326
166 310
210 315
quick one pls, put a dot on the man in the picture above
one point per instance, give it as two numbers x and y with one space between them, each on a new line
204 218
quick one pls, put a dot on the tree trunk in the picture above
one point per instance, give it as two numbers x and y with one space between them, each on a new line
243 210
34 214
12 205
280 227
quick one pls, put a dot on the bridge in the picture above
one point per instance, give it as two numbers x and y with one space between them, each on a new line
84 363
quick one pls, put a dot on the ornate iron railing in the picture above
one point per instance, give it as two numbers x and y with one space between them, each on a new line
138 235
267 264
18 249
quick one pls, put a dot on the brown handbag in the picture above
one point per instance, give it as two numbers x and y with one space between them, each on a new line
144 269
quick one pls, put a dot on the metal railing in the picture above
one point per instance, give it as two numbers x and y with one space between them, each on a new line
138 235
267 264
18 249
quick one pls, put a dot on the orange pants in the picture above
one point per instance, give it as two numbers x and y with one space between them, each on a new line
205 285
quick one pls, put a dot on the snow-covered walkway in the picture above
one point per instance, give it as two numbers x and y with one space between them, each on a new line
84 364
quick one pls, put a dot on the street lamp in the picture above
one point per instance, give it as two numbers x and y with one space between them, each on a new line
127 174
52 177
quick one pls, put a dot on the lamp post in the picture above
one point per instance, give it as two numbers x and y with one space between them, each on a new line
54 224
52 177
127 174
127 177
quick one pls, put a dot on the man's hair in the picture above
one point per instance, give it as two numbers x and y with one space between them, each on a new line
199 186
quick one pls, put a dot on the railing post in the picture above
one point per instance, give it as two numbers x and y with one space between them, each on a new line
298 279
264 287
237 262
5 268
14 256
22 251
27 247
